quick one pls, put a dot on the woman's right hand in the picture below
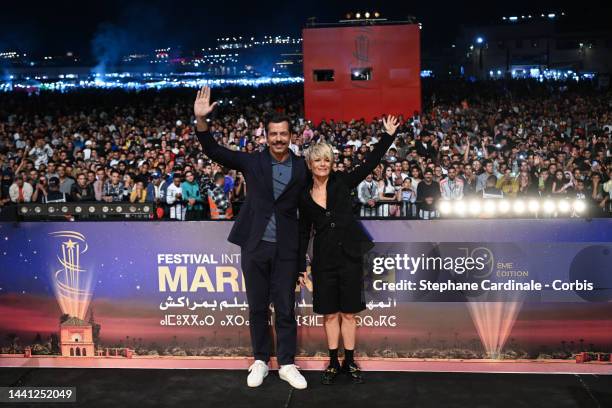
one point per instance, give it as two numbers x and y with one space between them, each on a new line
302 279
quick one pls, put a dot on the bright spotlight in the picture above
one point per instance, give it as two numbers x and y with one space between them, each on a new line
579 206
549 206
563 206
519 206
489 207
357 15
533 206
504 206
367 14
445 207
475 207
376 14
460 208
479 40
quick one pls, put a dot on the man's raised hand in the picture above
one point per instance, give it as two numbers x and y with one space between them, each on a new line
202 106
391 124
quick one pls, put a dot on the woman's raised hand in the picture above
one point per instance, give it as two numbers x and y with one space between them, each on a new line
391 123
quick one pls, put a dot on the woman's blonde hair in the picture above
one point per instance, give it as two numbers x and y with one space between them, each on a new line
319 151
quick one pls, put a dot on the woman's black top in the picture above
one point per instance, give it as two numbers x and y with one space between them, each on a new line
336 228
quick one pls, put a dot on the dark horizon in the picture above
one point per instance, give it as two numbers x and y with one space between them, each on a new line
58 27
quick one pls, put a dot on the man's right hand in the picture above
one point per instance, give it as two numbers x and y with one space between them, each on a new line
202 106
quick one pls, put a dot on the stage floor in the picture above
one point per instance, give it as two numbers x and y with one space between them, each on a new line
227 388
367 364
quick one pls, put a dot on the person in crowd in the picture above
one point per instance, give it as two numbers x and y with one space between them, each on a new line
175 199
41 152
54 195
66 180
387 192
191 194
218 199
408 197
428 194
491 190
451 187
139 193
21 191
338 246
367 192
113 189
481 180
153 189
82 190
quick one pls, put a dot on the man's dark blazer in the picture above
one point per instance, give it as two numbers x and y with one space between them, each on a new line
260 203
336 228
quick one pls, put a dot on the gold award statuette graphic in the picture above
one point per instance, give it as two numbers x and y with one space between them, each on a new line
71 282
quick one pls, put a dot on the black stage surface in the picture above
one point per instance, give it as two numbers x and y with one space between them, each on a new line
117 388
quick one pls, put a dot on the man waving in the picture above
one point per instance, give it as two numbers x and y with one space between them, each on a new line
267 232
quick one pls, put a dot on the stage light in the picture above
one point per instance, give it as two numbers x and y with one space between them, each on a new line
51 210
24 210
479 40
37 209
519 206
376 14
105 209
92 209
118 209
549 206
357 15
348 16
367 14
460 208
64 209
146 208
533 205
489 207
563 206
504 206
579 206
474 207
132 208
445 207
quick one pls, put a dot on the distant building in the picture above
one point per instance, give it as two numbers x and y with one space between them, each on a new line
76 338
539 46
354 71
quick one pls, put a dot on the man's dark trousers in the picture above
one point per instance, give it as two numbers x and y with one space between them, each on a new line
269 278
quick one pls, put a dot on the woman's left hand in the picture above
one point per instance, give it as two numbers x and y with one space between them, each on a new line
391 123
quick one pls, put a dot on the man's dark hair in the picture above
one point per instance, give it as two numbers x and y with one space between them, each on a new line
218 176
278 118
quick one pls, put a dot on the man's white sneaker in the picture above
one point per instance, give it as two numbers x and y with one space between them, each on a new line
257 372
290 373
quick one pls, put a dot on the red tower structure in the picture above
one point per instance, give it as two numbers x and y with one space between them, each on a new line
364 71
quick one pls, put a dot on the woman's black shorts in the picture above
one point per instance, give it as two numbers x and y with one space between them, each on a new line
338 285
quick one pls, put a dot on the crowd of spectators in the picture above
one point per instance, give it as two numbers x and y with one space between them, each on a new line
488 139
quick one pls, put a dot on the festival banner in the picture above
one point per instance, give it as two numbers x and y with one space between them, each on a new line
464 289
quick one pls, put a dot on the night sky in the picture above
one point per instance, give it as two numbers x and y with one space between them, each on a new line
61 26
